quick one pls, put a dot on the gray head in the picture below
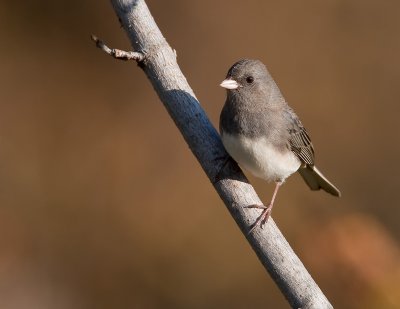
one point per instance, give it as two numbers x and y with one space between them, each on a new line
246 75
248 81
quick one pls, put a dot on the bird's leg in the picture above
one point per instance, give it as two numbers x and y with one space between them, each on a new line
266 213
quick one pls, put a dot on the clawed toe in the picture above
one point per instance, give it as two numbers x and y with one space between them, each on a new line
256 206
265 216
262 218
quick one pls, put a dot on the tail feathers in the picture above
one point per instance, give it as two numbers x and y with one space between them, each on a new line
316 181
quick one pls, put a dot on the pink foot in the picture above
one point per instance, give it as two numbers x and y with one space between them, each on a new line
264 216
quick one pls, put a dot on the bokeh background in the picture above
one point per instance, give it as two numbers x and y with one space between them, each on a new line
102 205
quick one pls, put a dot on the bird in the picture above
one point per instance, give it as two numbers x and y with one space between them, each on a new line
263 134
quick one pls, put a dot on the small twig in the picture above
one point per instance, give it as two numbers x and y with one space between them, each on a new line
118 53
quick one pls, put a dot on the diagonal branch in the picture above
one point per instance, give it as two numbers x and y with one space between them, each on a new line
160 66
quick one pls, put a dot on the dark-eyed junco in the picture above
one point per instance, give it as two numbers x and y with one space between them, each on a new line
263 134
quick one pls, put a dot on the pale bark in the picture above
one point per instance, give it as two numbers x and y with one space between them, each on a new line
160 66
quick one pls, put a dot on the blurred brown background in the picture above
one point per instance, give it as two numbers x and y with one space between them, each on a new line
102 205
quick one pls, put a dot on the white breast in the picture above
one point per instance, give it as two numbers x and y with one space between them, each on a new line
260 158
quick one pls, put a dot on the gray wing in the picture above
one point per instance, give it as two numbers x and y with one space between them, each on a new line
299 140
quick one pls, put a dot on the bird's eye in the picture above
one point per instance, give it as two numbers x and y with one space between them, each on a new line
249 79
